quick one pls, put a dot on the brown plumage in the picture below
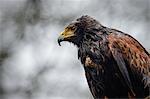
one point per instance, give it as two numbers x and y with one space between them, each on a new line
116 65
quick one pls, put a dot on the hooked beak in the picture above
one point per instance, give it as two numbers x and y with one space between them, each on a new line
60 39
65 36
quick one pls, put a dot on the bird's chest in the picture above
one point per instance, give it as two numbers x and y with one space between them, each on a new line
93 54
100 70
89 56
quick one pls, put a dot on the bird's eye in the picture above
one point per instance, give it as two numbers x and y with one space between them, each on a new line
72 28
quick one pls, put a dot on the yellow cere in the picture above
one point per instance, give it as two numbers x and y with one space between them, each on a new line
68 32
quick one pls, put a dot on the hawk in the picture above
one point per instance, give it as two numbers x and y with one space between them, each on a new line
116 65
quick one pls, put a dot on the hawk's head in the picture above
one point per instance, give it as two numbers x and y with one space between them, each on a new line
76 31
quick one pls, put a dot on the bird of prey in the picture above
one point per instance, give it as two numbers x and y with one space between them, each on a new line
116 65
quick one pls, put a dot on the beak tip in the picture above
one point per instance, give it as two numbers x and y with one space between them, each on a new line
59 43
60 39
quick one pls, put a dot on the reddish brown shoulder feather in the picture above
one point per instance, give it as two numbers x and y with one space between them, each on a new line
129 53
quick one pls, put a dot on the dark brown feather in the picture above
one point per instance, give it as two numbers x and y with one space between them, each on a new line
116 65
119 66
119 59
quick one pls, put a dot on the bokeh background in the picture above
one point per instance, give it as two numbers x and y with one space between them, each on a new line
33 66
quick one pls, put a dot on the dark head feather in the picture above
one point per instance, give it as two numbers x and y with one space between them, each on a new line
86 28
88 22
83 28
